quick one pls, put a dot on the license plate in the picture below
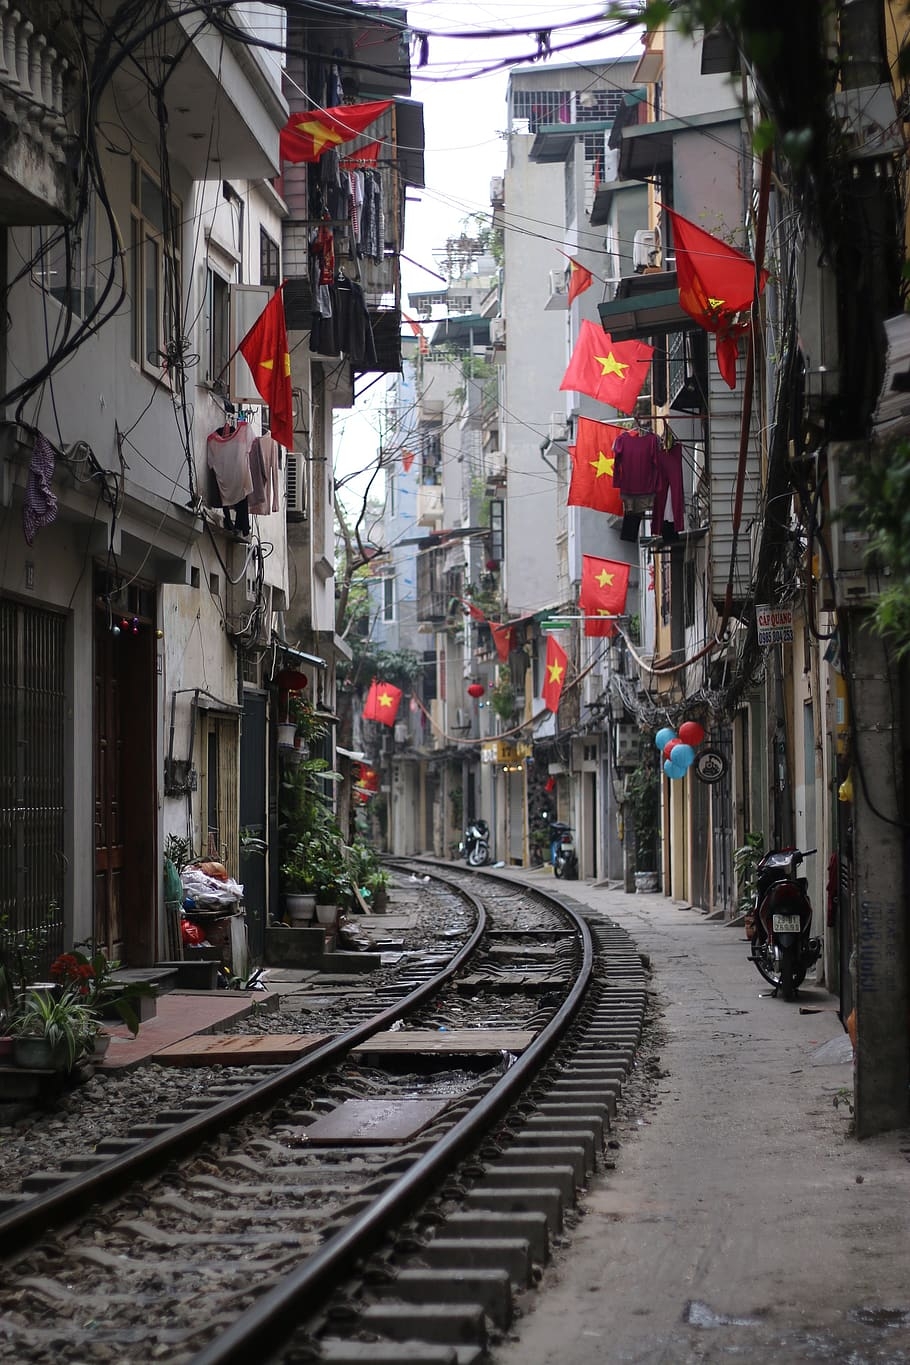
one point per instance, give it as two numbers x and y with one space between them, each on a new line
785 924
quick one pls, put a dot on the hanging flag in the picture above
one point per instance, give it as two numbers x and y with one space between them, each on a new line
474 612
600 626
382 702
579 279
367 155
554 674
307 135
503 639
265 350
613 372
423 344
407 459
604 586
592 467
716 284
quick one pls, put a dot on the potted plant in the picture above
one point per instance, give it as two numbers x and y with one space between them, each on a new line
298 879
51 1033
377 884
94 981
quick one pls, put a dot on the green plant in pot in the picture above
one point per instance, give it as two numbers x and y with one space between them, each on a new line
94 980
52 1032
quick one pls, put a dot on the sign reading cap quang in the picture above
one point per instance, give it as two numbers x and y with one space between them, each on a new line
775 625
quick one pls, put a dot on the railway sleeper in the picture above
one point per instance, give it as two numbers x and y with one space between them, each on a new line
446 1324
339 1352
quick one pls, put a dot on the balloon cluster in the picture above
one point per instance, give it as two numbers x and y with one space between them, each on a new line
678 749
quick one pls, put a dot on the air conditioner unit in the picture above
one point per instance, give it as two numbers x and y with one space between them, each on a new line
645 248
558 282
497 191
462 718
559 427
400 732
497 331
295 485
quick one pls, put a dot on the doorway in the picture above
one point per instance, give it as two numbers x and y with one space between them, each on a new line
127 873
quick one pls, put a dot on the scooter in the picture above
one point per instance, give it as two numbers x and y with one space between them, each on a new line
475 848
562 850
779 922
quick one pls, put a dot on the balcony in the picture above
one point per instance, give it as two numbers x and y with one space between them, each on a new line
429 505
39 83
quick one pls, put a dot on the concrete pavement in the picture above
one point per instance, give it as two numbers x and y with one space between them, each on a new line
742 1220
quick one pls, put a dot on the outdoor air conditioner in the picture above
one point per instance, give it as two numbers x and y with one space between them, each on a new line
645 248
559 427
294 483
558 282
401 732
497 331
462 718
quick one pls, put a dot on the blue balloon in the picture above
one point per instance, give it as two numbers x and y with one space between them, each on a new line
671 769
683 755
663 737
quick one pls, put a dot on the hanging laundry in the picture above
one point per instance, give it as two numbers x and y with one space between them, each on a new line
264 468
669 482
228 456
636 475
40 507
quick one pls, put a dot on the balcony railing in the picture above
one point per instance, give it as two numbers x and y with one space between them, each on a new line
36 81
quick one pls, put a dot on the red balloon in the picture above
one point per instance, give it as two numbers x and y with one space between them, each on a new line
670 746
690 732
475 690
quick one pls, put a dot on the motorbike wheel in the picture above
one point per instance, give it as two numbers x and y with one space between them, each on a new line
766 962
789 971
559 868
477 856
571 872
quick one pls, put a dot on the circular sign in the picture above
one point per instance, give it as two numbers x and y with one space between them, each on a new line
710 765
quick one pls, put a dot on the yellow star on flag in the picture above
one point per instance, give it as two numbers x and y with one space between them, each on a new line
604 579
555 671
610 365
385 699
321 135
602 465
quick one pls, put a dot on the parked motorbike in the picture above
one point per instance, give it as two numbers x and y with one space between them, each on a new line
562 850
475 847
779 922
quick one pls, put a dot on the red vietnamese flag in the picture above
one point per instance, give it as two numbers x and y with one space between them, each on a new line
554 674
382 702
407 459
308 134
716 284
579 279
613 372
265 350
600 626
503 639
604 586
592 468
367 155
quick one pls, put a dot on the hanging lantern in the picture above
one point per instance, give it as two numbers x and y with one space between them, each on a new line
475 690
690 732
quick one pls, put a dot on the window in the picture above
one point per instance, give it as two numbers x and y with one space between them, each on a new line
497 530
154 269
65 263
269 260
388 599
217 330
431 457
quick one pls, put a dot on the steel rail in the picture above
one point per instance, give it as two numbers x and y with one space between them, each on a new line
20 1226
268 1323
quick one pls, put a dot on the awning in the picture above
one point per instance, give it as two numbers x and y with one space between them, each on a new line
646 149
645 306
313 659
554 141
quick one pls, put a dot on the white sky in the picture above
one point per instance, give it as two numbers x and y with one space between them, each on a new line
464 122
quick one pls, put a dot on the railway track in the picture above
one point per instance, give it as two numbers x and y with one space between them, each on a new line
379 1199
